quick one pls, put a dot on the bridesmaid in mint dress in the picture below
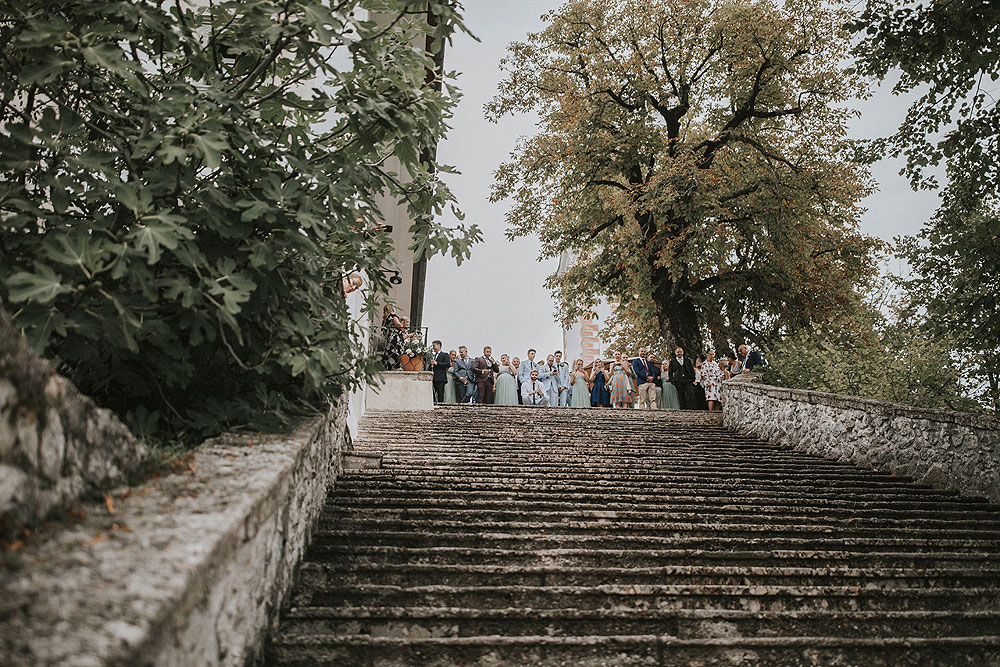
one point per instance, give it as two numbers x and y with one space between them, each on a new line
449 389
578 382
505 386
668 398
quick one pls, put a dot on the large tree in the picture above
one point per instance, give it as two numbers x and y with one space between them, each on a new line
184 185
692 156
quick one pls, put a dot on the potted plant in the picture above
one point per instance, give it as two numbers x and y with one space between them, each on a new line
416 356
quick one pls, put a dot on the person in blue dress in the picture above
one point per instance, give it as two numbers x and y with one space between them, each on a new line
600 397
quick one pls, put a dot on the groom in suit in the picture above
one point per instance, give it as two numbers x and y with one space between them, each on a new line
483 369
465 387
681 374
442 362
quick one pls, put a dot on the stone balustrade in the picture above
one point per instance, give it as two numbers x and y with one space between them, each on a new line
942 448
55 443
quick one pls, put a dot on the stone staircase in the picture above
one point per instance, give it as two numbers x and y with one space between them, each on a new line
520 536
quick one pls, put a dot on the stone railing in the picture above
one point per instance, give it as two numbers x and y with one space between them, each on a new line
188 570
941 448
55 443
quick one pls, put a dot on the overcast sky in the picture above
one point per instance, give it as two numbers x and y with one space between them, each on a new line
498 297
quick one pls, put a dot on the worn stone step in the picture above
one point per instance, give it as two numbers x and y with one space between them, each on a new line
322 650
667 501
833 541
361 574
680 623
570 512
583 474
661 528
651 596
355 553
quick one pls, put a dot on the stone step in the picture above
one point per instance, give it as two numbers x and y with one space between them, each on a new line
568 512
362 574
651 596
356 553
988 533
323 650
680 623
665 502
833 541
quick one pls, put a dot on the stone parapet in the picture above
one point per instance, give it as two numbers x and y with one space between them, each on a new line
55 443
942 448
190 569
402 390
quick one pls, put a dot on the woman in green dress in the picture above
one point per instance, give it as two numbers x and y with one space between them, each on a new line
505 386
449 389
578 383
668 398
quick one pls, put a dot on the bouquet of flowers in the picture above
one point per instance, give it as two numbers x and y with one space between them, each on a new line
417 348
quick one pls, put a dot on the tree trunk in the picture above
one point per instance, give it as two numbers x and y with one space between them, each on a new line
677 318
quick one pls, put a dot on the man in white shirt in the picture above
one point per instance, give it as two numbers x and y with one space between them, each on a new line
532 391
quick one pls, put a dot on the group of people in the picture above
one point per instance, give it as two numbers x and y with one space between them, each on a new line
682 383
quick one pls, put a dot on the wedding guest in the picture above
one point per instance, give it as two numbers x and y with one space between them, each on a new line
352 283
749 359
646 376
578 381
732 364
524 373
516 364
699 391
533 392
712 377
450 395
484 368
545 373
505 384
681 372
621 382
441 365
600 397
668 392
463 373
392 338
561 381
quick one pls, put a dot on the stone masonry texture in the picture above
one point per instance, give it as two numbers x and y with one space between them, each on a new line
55 443
190 569
941 448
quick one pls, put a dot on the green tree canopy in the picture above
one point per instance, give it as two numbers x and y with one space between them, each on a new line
184 185
947 51
692 157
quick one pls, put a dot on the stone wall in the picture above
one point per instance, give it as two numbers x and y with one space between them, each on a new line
190 569
944 449
55 443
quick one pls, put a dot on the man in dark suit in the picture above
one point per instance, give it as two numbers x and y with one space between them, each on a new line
465 386
647 376
483 370
750 359
681 374
442 362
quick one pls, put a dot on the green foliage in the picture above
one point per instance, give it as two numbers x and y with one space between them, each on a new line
949 54
185 185
888 359
692 158
954 287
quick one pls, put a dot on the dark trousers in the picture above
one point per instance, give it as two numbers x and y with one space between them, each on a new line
439 386
686 396
485 392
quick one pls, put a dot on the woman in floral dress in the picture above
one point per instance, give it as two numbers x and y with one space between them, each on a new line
712 377
621 382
